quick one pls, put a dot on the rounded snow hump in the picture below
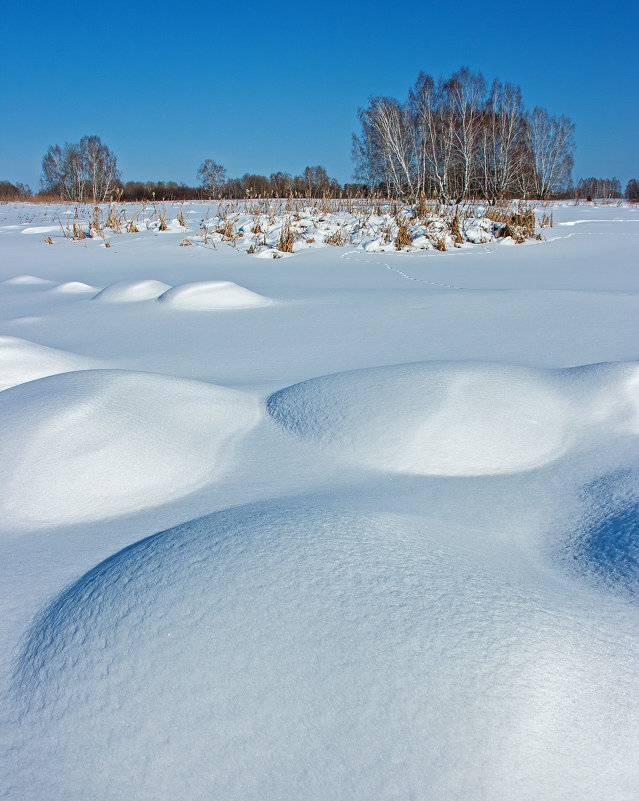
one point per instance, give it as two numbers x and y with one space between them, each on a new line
461 419
95 444
212 296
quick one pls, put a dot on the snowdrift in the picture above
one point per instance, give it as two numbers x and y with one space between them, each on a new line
21 361
94 444
605 547
28 281
131 291
456 419
211 296
72 287
291 649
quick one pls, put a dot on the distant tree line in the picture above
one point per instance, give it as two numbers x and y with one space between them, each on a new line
215 184
284 185
314 182
459 138
589 188
9 191
454 139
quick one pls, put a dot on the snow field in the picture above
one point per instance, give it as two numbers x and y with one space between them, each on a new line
436 594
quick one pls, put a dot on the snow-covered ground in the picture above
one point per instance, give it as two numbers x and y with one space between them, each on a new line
344 524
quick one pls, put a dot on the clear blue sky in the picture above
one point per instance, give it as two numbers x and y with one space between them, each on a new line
265 86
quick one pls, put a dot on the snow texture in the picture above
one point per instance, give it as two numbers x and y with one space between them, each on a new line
292 649
121 440
22 361
373 536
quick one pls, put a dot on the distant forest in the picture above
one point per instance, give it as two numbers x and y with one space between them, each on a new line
454 139
260 185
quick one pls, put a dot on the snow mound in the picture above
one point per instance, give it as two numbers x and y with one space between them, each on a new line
293 650
212 295
74 286
605 546
21 361
41 229
131 291
28 280
95 444
462 419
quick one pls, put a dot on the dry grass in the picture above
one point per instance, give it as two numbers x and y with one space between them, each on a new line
519 224
186 243
78 233
206 233
443 225
226 229
287 240
455 228
95 226
403 238
116 219
440 243
547 220
339 238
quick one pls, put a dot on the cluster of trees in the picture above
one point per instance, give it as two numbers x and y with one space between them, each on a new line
9 191
313 183
215 183
589 188
86 171
460 137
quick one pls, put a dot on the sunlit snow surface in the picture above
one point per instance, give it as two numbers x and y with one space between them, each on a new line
397 498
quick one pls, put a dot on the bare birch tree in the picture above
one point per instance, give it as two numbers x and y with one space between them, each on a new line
551 143
99 166
503 141
434 134
456 139
387 126
464 96
79 172
212 177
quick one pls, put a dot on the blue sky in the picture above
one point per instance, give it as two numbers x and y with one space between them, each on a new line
261 87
